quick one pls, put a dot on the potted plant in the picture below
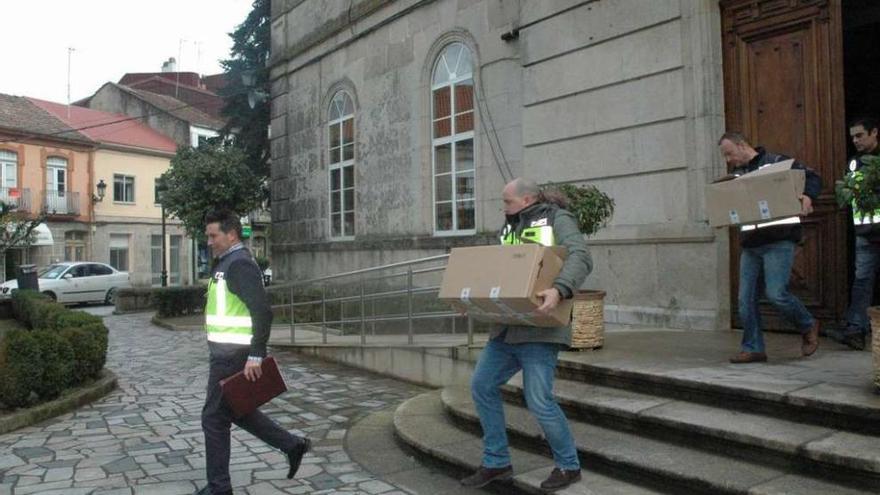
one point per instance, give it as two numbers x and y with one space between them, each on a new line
593 209
862 191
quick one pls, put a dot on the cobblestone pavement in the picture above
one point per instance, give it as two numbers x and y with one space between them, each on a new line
146 437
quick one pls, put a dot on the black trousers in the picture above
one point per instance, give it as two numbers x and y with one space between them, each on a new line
217 419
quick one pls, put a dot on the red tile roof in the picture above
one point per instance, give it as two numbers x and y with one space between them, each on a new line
21 115
109 128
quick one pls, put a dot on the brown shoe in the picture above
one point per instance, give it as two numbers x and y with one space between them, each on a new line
560 478
810 340
485 475
749 357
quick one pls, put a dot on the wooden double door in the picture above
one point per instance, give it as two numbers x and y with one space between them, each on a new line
783 82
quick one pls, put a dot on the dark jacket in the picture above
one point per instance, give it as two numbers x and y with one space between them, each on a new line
869 231
245 280
794 232
577 266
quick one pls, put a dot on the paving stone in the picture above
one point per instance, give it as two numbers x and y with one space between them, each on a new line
146 437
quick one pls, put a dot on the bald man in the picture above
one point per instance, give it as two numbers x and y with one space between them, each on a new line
531 217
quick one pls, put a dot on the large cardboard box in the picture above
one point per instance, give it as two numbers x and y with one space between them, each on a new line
769 193
499 283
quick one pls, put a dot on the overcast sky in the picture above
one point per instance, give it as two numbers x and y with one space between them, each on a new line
110 38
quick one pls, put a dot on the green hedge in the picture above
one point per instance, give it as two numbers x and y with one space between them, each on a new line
60 348
179 301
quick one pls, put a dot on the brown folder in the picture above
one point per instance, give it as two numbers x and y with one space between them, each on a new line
244 396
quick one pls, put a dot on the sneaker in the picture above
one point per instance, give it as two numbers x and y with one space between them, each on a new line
485 475
295 456
749 357
810 340
561 478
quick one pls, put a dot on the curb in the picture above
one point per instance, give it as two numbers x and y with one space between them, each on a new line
155 320
69 401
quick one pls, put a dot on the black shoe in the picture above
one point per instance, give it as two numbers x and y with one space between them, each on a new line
295 456
853 340
485 475
206 490
561 478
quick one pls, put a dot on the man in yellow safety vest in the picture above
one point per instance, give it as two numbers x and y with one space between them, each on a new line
238 318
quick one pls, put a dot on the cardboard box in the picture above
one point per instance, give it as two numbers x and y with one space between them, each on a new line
499 283
769 193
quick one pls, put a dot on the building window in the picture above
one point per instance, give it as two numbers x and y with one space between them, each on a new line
123 188
56 184
341 132
74 245
452 132
9 169
174 250
119 251
156 259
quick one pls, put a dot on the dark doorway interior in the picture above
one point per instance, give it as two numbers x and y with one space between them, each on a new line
861 72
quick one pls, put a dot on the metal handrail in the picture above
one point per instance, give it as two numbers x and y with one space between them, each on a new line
365 275
361 271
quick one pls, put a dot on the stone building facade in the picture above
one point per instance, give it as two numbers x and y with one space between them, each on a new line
395 125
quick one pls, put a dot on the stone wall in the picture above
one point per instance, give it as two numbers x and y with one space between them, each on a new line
623 94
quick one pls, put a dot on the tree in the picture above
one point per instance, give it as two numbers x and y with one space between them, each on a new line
250 51
206 178
16 230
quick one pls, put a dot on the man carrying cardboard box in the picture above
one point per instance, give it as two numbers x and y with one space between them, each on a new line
864 133
768 248
530 218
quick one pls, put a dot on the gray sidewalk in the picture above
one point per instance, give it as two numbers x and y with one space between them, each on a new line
146 438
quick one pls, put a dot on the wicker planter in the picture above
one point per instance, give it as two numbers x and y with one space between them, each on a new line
874 314
588 320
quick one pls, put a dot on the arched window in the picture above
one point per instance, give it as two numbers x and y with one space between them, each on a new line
452 129
340 128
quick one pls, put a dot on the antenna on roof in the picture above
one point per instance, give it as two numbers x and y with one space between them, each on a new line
179 65
70 51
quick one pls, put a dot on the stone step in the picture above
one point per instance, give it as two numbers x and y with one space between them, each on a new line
749 388
681 468
780 442
422 424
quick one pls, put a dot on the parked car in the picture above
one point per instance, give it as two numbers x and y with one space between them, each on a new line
76 281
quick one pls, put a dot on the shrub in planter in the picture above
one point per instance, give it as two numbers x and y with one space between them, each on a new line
75 319
89 347
44 314
179 301
23 302
55 365
19 367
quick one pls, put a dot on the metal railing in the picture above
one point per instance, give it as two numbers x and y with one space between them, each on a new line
399 295
61 202
16 197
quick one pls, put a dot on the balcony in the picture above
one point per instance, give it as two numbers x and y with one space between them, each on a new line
59 203
18 198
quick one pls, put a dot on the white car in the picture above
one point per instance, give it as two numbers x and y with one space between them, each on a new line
76 281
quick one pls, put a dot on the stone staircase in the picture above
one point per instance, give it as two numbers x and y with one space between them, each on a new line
643 432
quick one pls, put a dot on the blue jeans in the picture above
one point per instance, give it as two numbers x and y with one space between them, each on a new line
774 260
500 361
867 262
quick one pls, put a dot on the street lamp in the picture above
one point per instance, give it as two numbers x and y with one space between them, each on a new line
160 190
102 189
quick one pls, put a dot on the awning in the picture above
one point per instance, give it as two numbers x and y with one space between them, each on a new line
41 236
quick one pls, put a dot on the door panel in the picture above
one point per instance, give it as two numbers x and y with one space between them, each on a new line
783 89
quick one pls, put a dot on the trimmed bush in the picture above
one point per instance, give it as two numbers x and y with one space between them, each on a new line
179 301
56 363
62 348
89 347
19 367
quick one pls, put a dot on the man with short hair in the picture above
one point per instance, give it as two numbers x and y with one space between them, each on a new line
531 217
866 224
238 319
768 250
